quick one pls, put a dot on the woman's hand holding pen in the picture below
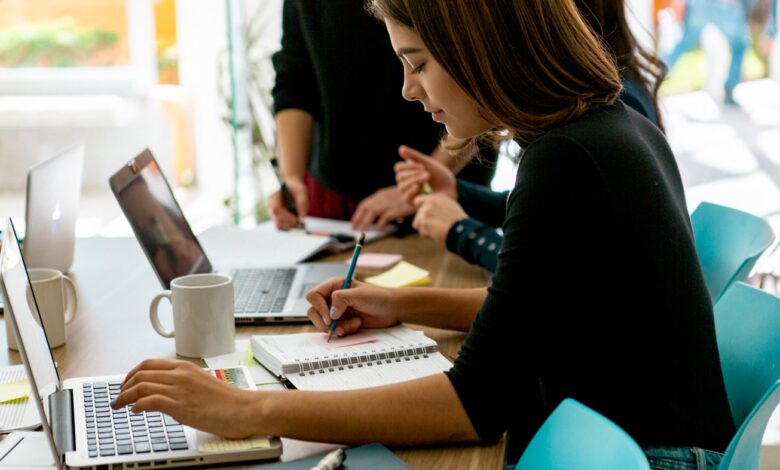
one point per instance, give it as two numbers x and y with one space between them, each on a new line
282 216
418 168
360 306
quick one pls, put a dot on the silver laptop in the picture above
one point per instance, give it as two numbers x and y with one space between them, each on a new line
80 427
261 294
53 191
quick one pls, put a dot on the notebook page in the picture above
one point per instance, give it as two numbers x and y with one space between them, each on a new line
233 247
332 226
20 413
307 347
372 376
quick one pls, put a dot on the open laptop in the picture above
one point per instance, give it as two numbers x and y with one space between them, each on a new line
261 294
53 191
80 427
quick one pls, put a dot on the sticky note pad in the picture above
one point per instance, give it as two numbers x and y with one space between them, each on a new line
377 260
211 443
404 274
361 337
370 264
14 390
248 360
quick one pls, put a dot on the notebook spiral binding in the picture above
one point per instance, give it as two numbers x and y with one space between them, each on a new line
325 364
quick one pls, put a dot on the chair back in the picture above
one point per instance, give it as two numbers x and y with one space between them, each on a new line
728 242
747 325
744 450
574 437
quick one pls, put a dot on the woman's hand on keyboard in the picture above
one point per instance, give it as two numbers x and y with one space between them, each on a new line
190 395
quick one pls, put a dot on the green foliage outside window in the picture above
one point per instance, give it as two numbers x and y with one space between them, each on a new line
57 44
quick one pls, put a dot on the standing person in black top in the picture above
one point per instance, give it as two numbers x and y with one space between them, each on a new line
630 335
336 161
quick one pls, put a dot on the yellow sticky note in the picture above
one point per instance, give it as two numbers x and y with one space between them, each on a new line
403 274
248 359
14 390
210 444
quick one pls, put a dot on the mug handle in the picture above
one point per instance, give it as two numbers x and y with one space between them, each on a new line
72 302
153 314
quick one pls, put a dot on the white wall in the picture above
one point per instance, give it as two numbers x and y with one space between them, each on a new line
112 129
201 39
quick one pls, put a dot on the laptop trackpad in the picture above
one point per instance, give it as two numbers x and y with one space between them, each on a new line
318 272
300 308
27 450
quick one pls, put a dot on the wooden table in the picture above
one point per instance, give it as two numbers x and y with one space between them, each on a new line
111 332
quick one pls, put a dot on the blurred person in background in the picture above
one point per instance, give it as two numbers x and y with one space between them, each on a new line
336 78
731 17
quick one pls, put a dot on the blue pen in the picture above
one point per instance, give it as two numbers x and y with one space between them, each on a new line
347 279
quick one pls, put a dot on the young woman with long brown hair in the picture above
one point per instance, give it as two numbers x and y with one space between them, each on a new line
463 216
632 333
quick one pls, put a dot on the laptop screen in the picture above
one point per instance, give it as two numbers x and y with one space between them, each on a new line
20 301
160 226
51 208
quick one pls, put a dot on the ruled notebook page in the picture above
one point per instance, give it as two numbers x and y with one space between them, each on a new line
364 375
367 359
20 413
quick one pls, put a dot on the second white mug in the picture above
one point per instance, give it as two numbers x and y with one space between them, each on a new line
203 321
55 295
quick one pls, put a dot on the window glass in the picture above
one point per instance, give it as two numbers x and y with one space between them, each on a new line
56 33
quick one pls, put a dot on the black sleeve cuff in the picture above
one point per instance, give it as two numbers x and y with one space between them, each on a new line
476 242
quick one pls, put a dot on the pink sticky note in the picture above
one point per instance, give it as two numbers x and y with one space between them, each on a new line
377 260
360 337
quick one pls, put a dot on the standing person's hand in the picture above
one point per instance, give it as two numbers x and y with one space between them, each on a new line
360 306
418 168
283 218
765 45
190 395
436 213
381 208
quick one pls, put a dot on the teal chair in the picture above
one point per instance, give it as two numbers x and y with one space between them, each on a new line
574 437
728 242
747 325
744 450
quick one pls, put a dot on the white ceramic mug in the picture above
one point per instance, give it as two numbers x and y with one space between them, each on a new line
56 298
203 321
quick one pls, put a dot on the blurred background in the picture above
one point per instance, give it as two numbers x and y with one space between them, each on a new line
190 79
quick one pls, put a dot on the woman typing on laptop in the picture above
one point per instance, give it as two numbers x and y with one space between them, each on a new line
638 347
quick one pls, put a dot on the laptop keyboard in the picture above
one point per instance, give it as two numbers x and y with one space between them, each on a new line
122 432
262 290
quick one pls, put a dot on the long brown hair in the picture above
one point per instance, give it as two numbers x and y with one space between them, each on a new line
531 65
607 18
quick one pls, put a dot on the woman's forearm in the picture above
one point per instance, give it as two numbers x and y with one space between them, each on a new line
294 128
452 309
421 411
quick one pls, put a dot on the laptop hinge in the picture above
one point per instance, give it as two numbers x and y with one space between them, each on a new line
62 423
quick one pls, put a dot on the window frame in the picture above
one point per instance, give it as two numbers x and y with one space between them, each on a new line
134 79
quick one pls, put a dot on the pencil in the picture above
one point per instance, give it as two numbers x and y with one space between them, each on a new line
287 198
347 279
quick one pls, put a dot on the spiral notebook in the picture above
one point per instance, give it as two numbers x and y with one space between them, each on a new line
366 359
